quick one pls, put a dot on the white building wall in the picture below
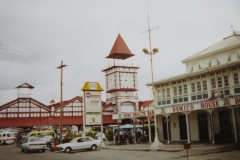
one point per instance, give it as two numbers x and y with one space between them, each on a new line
193 126
175 134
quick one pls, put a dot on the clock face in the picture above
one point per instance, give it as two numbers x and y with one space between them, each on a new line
127 80
111 82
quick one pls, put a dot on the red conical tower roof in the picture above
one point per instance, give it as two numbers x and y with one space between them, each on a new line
120 50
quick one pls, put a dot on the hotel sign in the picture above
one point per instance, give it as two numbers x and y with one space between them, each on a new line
203 105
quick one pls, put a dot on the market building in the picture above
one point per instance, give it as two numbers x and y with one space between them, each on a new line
203 104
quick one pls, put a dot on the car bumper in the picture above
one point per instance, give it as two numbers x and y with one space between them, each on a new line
60 149
33 148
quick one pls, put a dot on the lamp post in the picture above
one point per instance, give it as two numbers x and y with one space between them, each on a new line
119 121
156 144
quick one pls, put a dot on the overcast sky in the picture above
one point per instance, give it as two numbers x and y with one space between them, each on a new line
35 35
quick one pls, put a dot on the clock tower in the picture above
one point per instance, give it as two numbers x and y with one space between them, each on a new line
121 80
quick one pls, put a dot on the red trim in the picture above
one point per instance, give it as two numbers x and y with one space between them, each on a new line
122 89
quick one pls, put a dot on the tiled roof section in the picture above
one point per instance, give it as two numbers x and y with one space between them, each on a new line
64 103
25 85
16 101
229 42
120 50
105 106
144 104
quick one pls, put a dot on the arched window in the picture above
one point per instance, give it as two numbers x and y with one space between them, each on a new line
196 67
213 62
233 57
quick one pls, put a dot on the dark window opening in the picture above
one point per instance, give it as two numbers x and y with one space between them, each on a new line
163 102
193 98
226 92
175 101
199 96
205 96
180 100
237 90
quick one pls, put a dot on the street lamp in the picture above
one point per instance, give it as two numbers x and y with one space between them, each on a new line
156 144
119 121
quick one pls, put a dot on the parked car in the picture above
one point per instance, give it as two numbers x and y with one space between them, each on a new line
80 143
8 137
100 136
34 144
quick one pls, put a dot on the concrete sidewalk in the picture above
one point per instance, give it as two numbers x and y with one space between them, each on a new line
195 148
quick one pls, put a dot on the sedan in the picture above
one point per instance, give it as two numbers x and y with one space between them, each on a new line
80 143
34 144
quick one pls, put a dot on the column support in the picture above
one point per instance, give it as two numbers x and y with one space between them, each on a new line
212 129
234 125
168 141
134 129
188 131
149 130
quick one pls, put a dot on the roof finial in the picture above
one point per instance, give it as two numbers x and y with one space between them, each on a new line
232 28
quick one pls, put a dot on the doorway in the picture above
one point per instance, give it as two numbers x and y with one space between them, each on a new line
182 127
203 127
225 126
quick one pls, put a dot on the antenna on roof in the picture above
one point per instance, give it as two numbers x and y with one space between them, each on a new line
149 29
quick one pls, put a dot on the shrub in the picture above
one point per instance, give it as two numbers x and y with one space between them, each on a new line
69 136
109 135
91 134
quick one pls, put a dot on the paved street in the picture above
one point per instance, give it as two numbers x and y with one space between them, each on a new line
11 152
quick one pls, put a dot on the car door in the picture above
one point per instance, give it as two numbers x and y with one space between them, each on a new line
88 142
80 143
75 145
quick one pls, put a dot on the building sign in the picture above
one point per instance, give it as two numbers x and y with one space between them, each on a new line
92 103
137 114
93 108
183 108
203 105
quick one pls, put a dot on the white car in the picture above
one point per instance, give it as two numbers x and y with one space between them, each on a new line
80 143
34 144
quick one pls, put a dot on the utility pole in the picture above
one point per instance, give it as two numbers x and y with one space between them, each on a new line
60 127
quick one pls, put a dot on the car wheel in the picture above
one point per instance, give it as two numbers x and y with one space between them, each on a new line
43 150
94 148
27 150
22 149
68 150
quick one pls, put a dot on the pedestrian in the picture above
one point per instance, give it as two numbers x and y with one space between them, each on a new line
18 140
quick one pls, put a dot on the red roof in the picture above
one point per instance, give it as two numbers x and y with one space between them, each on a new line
64 103
25 85
120 50
144 104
